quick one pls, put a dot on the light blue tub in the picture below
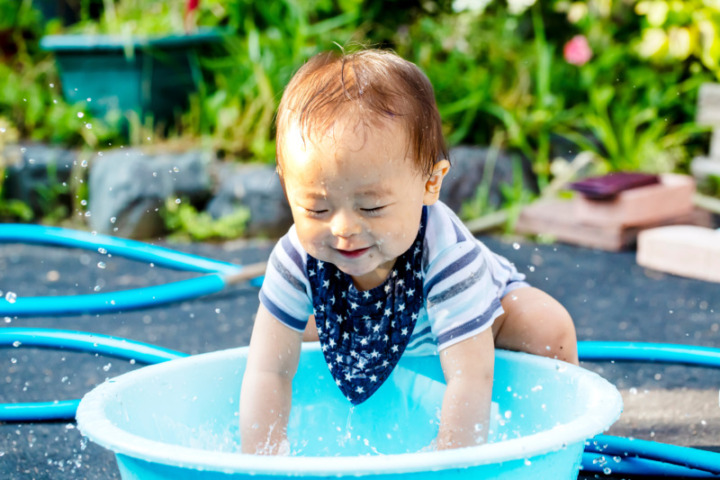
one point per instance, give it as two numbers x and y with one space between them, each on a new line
179 420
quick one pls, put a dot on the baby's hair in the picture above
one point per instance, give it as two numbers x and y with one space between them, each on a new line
372 85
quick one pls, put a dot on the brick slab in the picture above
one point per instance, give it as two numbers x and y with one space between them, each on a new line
672 197
558 219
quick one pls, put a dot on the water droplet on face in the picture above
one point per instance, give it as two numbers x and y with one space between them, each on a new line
11 297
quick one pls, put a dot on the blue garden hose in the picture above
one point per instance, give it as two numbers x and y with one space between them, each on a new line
218 274
131 249
76 341
642 457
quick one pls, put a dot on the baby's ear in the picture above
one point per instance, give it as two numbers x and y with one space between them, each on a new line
434 182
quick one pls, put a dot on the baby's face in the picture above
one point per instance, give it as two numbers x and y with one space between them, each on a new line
356 197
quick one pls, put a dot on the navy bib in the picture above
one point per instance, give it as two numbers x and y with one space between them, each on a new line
364 333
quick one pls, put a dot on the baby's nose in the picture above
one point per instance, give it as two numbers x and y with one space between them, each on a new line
345 225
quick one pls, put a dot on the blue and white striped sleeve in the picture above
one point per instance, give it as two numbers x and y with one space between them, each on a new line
285 291
462 293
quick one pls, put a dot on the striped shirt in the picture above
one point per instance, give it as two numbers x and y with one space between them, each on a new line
463 284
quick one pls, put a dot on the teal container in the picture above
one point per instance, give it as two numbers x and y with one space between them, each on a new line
179 420
120 74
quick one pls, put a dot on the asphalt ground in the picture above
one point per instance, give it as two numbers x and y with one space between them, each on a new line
608 294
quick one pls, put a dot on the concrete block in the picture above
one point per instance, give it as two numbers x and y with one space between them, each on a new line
685 250
672 197
703 167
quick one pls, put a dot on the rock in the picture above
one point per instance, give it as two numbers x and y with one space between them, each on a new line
38 175
128 186
256 187
466 173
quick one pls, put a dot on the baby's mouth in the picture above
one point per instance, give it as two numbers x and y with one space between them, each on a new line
353 253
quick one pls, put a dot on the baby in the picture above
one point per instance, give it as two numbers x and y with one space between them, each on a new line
375 266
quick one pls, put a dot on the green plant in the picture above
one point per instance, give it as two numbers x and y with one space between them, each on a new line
29 86
678 31
237 114
184 222
147 17
12 209
635 100
53 196
710 186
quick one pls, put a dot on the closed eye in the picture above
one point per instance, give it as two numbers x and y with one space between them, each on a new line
315 213
372 211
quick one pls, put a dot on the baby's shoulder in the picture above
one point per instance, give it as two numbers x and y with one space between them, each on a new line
289 249
445 231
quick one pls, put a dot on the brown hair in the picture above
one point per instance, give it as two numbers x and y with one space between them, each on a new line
373 84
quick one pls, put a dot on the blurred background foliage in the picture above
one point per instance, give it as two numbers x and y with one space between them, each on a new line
542 79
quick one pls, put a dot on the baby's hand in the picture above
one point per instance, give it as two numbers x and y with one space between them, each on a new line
284 448
432 447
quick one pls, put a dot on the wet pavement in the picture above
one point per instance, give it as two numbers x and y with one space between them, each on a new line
608 294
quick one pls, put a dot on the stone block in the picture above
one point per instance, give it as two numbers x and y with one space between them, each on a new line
685 250
255 187
469 164
704 167
128 186
671 198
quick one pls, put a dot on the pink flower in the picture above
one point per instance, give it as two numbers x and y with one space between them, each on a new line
577 51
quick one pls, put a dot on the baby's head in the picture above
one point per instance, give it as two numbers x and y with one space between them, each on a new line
360 151
369 87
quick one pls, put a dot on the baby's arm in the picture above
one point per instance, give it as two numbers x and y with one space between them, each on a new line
468 368
266 392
